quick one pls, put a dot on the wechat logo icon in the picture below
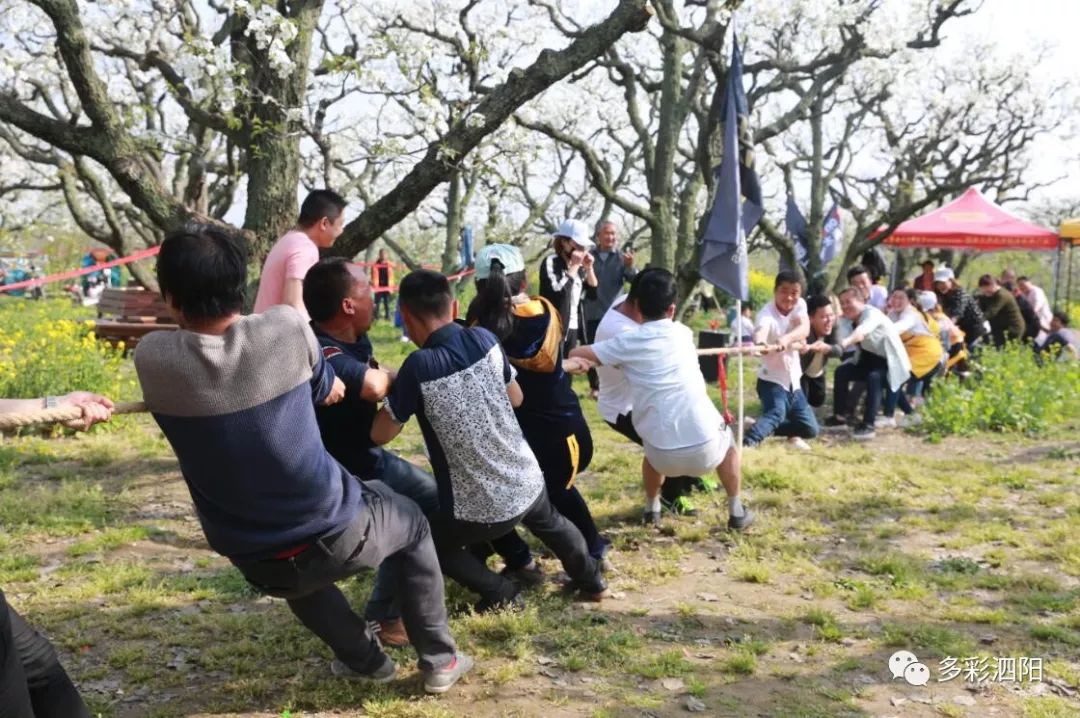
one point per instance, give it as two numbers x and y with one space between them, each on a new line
904 664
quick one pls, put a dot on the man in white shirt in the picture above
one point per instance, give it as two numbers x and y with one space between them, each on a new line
784 409
681 430
881 361
873 294
616 405
1036 297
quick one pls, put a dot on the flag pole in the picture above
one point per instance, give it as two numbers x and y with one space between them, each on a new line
739 364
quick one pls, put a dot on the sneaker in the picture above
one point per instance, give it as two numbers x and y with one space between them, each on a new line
595 590
909 420
796 442
885 422
404 340
440 680
708 484
681 506
651 518
863 433
383 674
526 576
606 566
835 420
740 523
513 604
390 633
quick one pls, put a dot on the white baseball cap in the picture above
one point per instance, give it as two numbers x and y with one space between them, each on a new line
945 274
576 231
507 255
927 300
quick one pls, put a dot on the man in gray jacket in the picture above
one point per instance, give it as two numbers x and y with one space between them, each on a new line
612 268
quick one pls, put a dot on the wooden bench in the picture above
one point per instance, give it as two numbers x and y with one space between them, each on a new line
127 315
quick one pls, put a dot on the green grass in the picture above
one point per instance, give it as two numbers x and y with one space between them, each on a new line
859 551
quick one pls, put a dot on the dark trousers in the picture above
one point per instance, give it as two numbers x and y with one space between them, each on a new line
452 537
783 412
561 455
573 339
33 684
674 486
382 298
814 389
894 399
869 368
389 528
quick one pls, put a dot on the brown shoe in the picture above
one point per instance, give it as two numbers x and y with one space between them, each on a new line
391 633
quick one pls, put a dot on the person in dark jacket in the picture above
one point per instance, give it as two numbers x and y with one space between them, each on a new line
820 346
612 268
566 275
960 307
550 414
999 307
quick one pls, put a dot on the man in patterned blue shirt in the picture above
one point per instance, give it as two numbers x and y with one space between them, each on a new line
461 388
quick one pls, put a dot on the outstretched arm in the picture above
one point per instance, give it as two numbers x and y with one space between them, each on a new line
585 353
384 429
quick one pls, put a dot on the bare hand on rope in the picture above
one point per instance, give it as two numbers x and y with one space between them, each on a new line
576 365
78 410
95 408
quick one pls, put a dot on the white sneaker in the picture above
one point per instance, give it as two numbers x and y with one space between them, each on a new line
404 340
909 420
885 422
795 442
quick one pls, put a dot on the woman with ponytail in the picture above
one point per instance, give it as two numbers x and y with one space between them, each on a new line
531 332
922 339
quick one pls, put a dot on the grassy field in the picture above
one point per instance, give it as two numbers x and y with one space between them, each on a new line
968 548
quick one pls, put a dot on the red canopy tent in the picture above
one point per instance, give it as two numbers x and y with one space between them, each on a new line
972 222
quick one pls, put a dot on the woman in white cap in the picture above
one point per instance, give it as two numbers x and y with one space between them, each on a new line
960 306
921 336
530 331
565 274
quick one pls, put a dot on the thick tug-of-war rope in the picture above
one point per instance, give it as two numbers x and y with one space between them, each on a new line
751 349
61 414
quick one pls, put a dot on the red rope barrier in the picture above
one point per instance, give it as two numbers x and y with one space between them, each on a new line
72 274
721 373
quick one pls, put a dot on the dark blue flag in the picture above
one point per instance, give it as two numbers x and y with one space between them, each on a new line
723 248
795 223
832 235
466 247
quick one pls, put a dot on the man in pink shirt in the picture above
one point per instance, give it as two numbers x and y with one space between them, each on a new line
322 217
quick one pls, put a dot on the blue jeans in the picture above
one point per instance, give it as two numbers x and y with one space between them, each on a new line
783 412
410 480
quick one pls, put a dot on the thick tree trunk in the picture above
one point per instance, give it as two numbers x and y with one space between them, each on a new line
454 211
272 135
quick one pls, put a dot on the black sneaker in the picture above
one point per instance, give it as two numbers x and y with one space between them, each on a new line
863 433
740 523
514 604
651 518
526 576
835 420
